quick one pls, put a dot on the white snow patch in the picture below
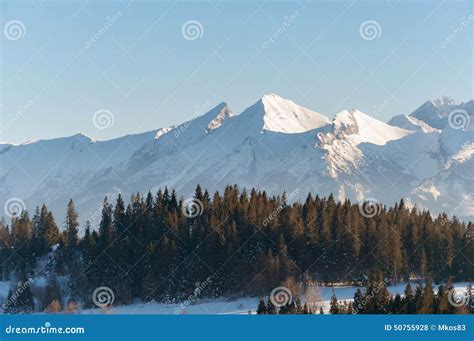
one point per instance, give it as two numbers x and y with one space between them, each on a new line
370 129
283 115
217 121
162 131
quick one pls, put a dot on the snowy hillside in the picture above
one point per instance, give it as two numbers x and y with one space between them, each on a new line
274 145
284 116
410 123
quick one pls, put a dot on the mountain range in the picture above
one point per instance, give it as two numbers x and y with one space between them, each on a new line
273 145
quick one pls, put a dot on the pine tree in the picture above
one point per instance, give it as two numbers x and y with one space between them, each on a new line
396 304
107 267
441 302
47 232
334 304
262 308
52 293
418 298
21 235
271 309
349 309
358 305
428 300
53 307
149 249
20 299
409 303
382 296
70 256
71 226
149 277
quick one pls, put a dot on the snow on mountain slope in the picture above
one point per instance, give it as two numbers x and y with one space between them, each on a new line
229 152
284 116
350 129
410 123
435 113
274 145
50 170
162 131
451 190
360 127
217 121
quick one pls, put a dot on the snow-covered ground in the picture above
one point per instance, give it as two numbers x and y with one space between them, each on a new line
226 306
240 305
4 287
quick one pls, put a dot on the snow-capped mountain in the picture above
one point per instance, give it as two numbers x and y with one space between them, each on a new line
410 123
274 145
436 113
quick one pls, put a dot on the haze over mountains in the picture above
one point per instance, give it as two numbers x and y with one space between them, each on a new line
274 145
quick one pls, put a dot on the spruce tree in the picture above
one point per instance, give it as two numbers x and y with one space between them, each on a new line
409 303
334 304
358 305
428 300
271 309
20 298
441 301
262 308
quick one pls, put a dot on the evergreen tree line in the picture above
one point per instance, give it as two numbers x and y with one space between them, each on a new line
375 299
154 249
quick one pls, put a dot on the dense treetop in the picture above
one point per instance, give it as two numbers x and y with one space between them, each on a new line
155 248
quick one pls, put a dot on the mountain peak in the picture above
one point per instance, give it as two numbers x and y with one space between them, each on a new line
443 102
82 136
285 116
364 128
216 122
272 96
435 112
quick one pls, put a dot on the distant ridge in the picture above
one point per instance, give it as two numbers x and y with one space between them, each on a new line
274 144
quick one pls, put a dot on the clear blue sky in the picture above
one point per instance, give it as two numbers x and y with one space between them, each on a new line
149 76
